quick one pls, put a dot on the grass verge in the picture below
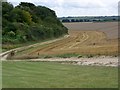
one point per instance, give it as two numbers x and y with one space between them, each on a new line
9 46
67 55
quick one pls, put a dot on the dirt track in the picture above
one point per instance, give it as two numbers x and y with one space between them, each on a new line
95 61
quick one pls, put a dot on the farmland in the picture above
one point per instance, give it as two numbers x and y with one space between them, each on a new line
83 39
45 52
109 28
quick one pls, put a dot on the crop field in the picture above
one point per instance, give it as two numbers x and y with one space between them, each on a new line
55 75
83 39
109 28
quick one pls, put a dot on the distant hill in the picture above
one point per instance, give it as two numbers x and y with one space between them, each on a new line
27 22
90 19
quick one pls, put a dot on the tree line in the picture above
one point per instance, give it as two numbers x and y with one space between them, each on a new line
28 22
90 19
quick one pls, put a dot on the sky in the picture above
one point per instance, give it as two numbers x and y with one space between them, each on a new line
65 8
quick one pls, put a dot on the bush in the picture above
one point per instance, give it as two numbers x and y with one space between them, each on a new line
11 34
69 55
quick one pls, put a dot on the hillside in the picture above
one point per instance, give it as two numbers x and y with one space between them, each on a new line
27 22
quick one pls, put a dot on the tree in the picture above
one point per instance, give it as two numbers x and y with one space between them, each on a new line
19 15
6 9
65 20
26 17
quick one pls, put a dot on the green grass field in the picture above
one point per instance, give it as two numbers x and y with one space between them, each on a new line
55 75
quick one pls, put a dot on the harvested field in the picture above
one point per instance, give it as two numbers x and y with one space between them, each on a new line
109 28
84 39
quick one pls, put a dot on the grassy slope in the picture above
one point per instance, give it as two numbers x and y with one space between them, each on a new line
39 74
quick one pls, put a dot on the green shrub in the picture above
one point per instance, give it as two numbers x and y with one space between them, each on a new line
69 55
80 56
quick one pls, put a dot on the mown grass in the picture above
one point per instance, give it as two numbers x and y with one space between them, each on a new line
55 75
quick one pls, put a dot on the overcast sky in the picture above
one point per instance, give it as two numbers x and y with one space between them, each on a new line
77 7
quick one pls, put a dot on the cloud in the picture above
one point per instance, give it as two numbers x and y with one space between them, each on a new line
84 4
78 7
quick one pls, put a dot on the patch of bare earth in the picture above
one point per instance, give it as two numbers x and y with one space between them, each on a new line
95 61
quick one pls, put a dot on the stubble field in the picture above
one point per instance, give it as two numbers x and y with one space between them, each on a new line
83 39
